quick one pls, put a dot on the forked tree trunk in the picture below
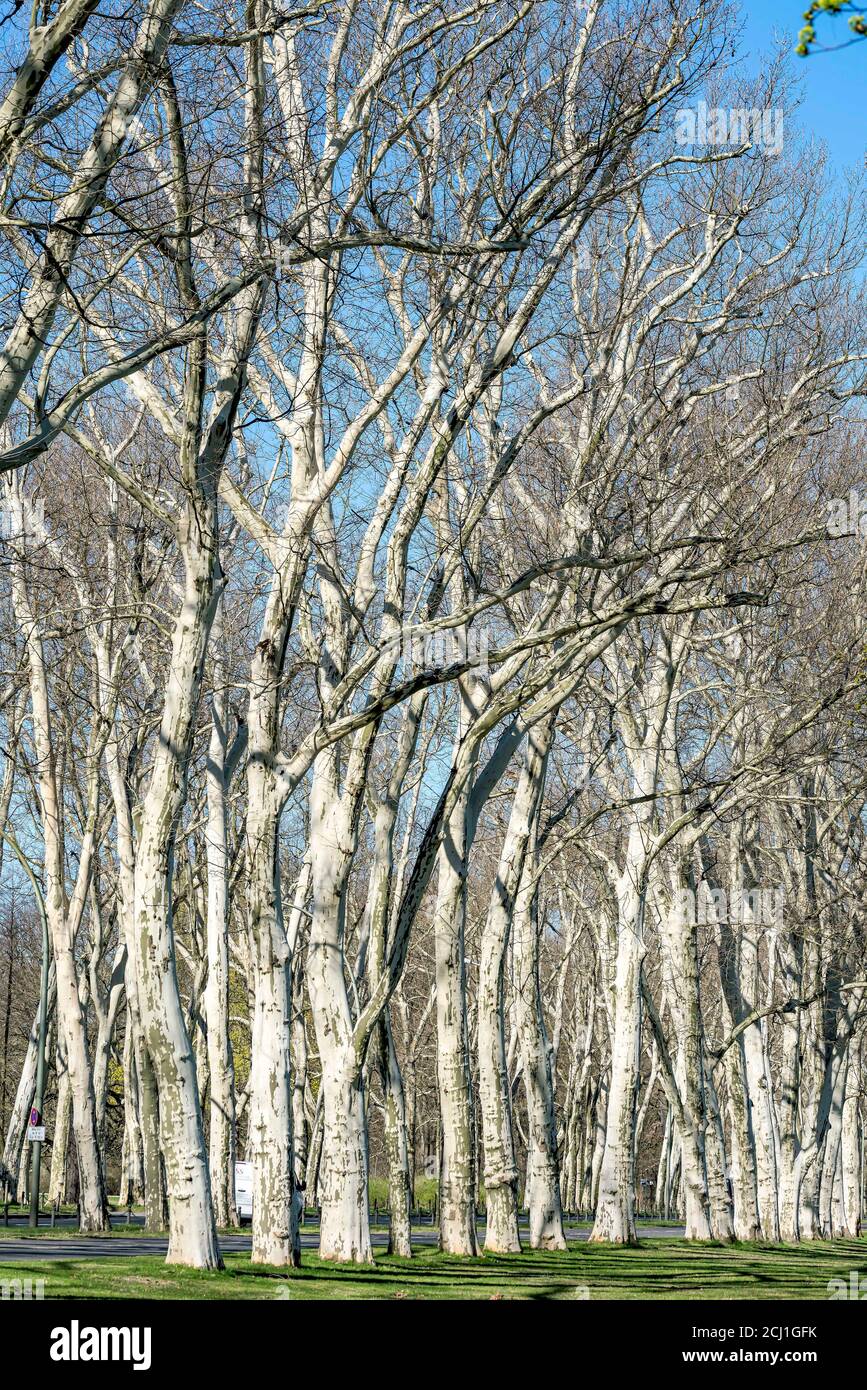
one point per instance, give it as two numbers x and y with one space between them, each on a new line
50 274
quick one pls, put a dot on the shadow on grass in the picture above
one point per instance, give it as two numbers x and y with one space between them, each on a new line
655 1269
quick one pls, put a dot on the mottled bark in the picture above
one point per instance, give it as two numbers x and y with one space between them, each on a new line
221 1097
457 1178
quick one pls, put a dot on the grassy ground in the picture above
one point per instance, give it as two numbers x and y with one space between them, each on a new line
658 1269
133 1232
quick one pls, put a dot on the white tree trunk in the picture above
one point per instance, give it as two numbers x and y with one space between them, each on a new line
192 1231
721 1204
678 928
615 1205
19 1116
62 916
543 1179
742 1151
851 1142
132 1183
221 1137
395 1127
269 1139
500 1168
60 1141
106 1012
761 1101
457 1161
343 1193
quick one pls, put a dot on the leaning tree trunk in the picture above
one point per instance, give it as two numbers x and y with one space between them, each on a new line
600 1129
51 272
20 1113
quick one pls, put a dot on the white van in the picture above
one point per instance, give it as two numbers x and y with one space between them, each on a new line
244 1191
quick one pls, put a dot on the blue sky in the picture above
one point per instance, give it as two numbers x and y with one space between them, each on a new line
835 84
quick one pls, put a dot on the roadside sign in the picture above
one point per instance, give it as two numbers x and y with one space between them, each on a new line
35 1117
36 1134
244 1190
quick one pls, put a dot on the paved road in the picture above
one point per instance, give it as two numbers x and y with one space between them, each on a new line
89 1247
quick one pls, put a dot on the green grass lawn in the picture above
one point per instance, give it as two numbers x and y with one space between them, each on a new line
658 1269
